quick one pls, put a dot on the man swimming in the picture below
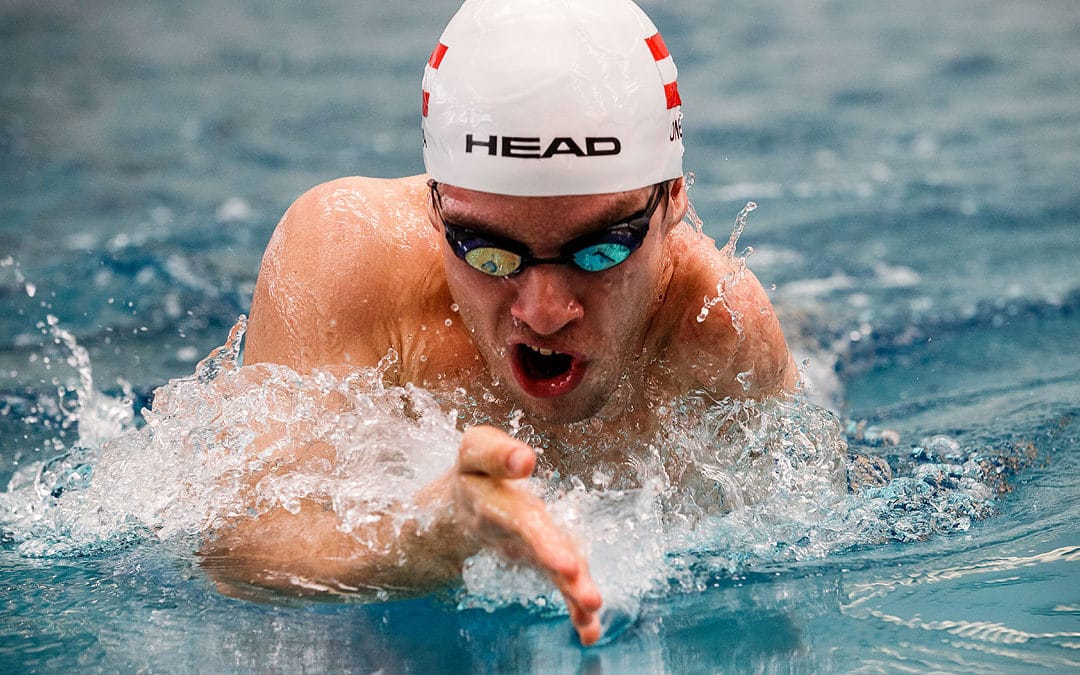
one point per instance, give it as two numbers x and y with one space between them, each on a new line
541 264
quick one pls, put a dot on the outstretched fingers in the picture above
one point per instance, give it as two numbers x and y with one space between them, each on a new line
586 623
517 524
491 452
554 552
583 600
512 521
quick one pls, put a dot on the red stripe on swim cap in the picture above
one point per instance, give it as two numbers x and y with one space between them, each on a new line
657 47
660 53
433 61
671 91
437 55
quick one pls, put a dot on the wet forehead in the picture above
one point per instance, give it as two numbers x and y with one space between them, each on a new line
539 219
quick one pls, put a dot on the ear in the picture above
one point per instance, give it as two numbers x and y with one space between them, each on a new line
677 204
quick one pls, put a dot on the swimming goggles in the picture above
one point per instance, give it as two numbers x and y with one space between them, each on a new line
593 252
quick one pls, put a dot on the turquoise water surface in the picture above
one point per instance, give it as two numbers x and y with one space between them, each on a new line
918 225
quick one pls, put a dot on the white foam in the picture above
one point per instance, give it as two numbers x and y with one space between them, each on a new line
724 486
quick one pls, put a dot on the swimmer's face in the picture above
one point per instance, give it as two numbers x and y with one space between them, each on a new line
555 337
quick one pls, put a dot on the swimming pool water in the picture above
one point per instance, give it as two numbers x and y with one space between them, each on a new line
919 215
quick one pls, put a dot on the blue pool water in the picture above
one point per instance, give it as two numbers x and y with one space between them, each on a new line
918 224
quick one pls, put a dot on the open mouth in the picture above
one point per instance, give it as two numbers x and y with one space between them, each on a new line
545 373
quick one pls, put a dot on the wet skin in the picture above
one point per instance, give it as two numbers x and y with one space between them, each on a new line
360 266
598 319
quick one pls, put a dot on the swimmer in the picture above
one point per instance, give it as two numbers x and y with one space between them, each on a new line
541 260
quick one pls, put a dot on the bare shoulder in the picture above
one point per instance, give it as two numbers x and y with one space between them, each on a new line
726 337
341 258
358 209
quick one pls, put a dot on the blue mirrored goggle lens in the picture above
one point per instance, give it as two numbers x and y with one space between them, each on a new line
599 257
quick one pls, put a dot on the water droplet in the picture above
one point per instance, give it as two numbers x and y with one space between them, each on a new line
387 361
449 322
454 307
423 358
744 379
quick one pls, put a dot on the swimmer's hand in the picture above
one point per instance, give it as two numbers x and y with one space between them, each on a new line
507 518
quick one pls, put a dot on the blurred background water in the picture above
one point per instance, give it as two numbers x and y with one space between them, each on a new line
915 167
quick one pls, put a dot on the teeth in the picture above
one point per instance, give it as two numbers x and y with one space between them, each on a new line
541 351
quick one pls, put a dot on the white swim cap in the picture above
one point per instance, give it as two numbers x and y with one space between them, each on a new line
551 97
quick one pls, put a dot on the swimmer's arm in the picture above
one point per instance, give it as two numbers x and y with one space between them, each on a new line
306 550
478 504
275 547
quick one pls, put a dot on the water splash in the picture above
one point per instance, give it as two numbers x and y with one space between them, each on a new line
744 379
732 277
740 226
710 302
28 286
225 358
724 487
197 463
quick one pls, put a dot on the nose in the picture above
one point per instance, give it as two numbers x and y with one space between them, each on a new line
545 300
